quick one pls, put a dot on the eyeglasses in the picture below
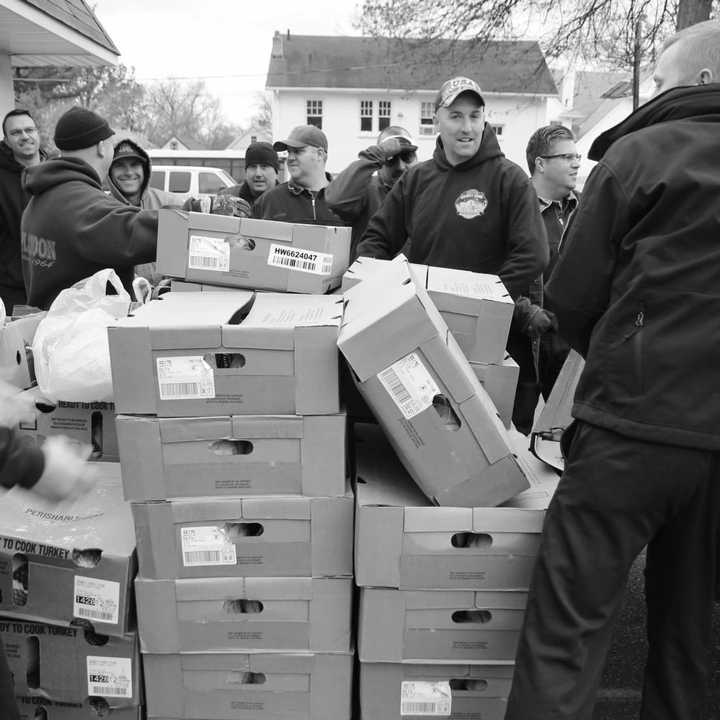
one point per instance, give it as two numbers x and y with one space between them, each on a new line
567 157
407 156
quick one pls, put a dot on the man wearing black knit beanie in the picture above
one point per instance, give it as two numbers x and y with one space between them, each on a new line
71 228
262 166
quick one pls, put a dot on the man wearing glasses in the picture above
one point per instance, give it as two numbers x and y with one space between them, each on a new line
19 149
469 208
302 198
553 162
357 192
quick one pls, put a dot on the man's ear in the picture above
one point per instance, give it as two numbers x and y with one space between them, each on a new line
101 149
539 164
705 76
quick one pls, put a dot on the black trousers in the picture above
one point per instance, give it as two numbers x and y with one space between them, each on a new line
618 495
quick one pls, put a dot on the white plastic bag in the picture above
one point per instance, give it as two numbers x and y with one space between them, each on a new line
70 349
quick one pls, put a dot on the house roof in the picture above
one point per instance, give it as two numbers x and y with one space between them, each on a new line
53 32
188 142
381 63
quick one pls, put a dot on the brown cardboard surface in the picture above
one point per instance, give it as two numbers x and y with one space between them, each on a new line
477 692
556 415
458 625
38 708
71 562
476 307
71 664
15 360
250 253
91 424
245 537
255 686
232 455
402 541
200 354
436 414
222 614
500 381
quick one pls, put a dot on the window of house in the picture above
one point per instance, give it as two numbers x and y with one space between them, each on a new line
498 129
427 113
314 113
366 115
384 113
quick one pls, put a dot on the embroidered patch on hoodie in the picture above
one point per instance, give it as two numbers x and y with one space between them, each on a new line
471 204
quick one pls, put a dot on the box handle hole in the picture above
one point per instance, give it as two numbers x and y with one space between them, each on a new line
471 540
471 616
231 447
87 558
242 607
20 579
32 674
238 530
447 415
468 685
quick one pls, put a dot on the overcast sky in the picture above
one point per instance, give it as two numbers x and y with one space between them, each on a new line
227 43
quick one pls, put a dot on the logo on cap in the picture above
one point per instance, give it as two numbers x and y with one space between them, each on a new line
454 87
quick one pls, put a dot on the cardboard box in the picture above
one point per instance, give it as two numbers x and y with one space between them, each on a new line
458 625
39 708
254 686
500 382
221 614
245 537
403 542
249 253
90 424
393 691
200 354
71 563
476 307
16 360
72 664
182 286
436 414
556 415
232 455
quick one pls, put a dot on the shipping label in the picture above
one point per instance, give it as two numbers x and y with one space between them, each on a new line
109 676
95 599
410 385
433 699
206 546
294 258
185 378
209 253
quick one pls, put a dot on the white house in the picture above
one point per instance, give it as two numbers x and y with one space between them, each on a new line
35 33
353 87
253 134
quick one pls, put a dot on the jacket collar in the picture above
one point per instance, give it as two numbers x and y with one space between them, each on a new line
296 189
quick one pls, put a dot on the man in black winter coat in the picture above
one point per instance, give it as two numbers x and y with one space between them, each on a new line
636 290
20 148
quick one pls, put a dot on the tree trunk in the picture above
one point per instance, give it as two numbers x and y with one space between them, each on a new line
692 11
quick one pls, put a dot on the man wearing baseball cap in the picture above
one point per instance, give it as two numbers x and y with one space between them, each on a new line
302 198
262 166
469 208
71 228
358 191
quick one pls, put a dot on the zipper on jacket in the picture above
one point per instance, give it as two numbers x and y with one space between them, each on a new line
312 197
637 348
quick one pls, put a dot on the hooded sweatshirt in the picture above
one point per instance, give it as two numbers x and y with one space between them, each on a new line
480 215
636 288
150 198
71 229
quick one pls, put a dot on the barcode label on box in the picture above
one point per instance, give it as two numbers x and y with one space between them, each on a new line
96 599
294 258
208 253
109 676
410 385
185 378
425 698
206 545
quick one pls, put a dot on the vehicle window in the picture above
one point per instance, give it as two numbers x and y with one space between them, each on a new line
157 179
179 181
209 182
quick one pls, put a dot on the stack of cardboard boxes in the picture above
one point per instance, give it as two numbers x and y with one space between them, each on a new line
66 581
232 444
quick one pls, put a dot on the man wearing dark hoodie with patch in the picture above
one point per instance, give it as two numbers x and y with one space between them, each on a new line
470 208
71 228
636 290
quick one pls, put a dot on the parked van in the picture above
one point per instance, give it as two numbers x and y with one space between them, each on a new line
186 181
